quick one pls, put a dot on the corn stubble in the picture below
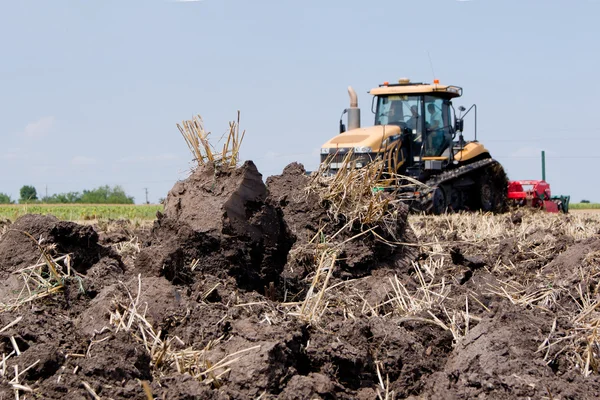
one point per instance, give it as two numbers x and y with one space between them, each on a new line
204 153
573 333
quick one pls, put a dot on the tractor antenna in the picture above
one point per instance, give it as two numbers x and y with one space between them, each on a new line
431 64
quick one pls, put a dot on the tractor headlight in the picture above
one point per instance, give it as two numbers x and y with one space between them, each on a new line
363 149
324 150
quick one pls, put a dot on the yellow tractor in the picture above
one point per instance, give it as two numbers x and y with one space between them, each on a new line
419 136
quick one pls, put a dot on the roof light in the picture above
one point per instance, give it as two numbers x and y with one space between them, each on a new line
386 83
436 81
403 81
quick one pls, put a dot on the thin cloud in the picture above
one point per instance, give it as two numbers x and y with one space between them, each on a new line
11 155
83 161
271 155
165 157
530 152
38 129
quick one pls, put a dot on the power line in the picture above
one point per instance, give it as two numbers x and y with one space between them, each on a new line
553 157
546 139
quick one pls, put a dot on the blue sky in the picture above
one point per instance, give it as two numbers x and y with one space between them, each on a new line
91 90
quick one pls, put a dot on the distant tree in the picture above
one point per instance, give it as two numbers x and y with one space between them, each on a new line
28 194
5 199
63 198
585 201
106 195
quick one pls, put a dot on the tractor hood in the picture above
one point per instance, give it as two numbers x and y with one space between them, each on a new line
362 139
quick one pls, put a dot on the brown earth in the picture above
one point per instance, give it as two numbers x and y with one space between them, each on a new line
470 306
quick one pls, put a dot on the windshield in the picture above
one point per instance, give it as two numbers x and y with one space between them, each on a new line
402 110
426 117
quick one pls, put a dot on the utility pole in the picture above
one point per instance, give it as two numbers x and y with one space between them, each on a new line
146 189
46 191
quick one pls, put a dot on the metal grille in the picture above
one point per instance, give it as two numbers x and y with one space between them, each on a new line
363 158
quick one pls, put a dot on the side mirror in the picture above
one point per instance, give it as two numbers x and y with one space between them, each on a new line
342 126
459 125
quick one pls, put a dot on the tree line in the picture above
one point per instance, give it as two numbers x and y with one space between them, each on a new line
101 195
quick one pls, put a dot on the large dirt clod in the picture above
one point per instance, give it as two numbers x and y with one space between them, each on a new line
309 218
219 201
221 222
499 358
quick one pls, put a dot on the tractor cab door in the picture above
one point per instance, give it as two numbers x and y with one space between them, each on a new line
405 111
438 131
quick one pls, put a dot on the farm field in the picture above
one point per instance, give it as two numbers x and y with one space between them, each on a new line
83 212
584 206
240 293
144 212
584 211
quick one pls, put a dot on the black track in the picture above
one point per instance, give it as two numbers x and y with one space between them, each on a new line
480 185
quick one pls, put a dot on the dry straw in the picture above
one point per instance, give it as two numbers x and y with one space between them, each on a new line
166 353
357 203
46 277
313 306
204 153
130 247
5 372
383 388
360 196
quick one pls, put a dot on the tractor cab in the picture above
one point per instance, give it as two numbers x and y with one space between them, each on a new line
423 113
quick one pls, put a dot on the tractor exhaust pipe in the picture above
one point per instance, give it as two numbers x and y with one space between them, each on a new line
353 111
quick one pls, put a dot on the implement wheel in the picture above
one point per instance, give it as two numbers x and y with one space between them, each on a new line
438 201
491 190
487 196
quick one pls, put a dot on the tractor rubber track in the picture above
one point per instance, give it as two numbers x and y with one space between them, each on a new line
424 203
458 172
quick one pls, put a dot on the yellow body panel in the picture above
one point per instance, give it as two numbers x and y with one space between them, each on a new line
372 137
471 150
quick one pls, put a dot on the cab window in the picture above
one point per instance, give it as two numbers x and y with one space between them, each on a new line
437 122
396 110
